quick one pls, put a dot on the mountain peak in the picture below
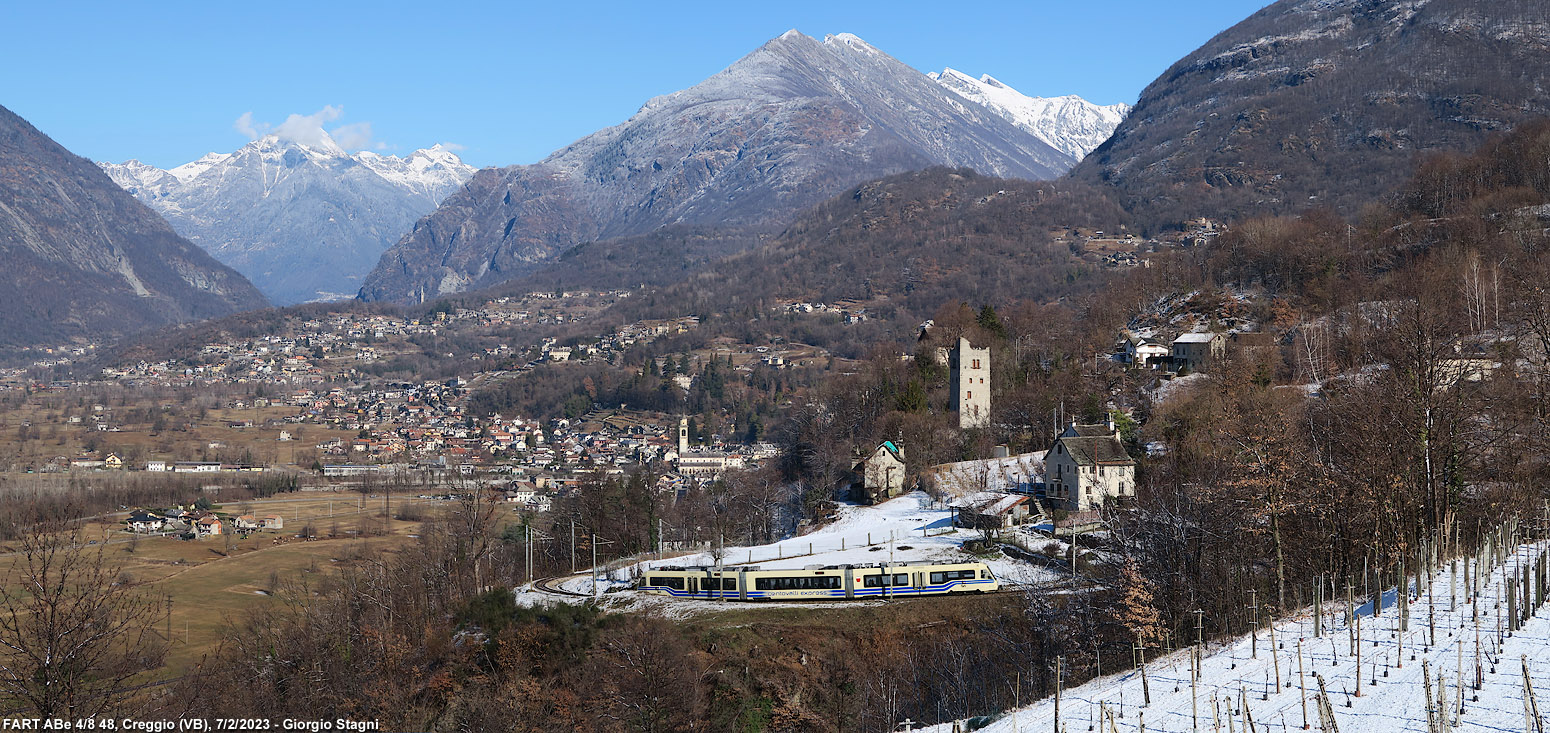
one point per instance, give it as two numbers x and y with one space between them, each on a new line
303 218
1069 123
782 128
850 41
321 143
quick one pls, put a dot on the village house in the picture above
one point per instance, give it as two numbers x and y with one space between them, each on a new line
880 475
991 510
1250 344
273 521
1195 351
1087 467
142 521
207 526
1144 353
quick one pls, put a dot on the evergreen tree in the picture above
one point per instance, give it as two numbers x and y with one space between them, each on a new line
988 320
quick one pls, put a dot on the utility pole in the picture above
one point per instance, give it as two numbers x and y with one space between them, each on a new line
573 546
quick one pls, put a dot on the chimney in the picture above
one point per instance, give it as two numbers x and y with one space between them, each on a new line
1110 423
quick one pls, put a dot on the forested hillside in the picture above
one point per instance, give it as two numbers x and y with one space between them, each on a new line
906 245
1319 103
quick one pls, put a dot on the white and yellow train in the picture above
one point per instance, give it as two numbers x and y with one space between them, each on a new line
820 582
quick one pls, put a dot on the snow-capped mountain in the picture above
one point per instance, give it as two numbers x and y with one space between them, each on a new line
302 221
792 123
85 261
1070 124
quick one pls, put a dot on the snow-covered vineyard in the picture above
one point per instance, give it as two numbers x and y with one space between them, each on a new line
1457 664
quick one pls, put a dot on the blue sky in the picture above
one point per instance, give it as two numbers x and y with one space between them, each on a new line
166 82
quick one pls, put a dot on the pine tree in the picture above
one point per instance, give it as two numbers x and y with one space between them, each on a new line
988 320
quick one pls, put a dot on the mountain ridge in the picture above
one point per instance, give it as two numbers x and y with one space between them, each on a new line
1069 123
777 131
304 221
89 261
1323 103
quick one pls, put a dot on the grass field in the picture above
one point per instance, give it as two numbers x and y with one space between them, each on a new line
212 583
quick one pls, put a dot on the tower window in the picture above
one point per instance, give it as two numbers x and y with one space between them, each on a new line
976 364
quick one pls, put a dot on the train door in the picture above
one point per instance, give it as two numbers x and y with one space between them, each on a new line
917 583
694 586
850 582
742 585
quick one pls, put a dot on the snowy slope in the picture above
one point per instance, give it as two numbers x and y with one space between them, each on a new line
303 221
1069 124
1393 698
434 171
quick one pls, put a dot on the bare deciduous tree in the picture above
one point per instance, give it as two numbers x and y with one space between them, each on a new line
71 636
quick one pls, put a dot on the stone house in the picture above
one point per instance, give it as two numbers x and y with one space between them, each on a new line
880 475
1198 350
1088 466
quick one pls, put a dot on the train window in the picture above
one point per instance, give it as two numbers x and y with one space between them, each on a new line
666 581
803 583
879 581
943 577
726 583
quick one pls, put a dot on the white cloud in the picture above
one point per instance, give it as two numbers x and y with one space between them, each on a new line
309 130
354 136
244 125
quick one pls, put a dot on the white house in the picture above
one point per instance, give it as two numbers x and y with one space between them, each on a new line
143 521
1143 353
1087 466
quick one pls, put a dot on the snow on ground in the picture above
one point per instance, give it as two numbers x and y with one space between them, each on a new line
912 528
1393 698
1170 387
1012 473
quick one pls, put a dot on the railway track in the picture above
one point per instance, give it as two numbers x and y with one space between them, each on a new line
552 586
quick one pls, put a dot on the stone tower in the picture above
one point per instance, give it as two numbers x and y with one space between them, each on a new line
683 435
970 369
